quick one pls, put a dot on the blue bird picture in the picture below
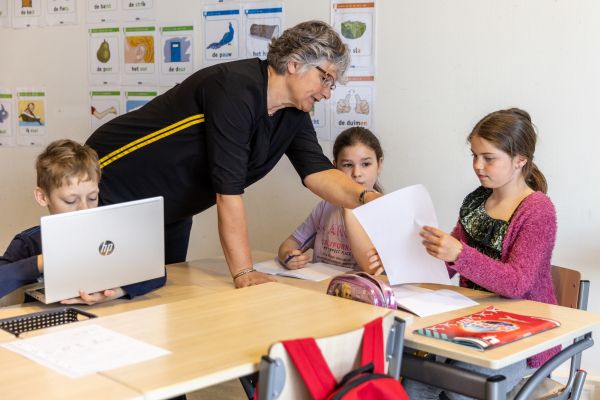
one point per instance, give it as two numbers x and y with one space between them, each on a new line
3 113
226 39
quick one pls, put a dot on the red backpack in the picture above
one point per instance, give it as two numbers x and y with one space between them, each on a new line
364 383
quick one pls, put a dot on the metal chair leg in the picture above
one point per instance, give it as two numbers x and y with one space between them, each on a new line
248 384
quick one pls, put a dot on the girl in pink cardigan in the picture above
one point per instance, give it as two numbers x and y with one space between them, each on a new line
506 229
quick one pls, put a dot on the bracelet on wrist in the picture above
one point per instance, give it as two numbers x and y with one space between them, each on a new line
361 196
243 272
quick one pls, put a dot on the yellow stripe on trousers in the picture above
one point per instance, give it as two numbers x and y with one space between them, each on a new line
151 138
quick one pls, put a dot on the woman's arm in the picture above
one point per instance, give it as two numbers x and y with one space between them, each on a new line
233 232
338 188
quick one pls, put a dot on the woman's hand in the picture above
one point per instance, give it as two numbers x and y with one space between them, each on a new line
298 260
252 278
440 244
95 298
375 266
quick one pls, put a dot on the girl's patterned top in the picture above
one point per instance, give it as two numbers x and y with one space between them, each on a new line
484 233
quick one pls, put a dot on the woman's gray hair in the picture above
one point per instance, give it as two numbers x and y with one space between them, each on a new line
309 42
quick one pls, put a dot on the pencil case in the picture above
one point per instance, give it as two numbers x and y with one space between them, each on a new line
362 287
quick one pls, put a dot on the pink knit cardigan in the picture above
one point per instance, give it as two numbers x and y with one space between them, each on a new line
523 271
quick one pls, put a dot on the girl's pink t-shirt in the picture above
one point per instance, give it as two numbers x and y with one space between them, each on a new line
331 244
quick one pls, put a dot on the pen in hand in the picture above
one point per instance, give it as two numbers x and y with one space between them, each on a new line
303 247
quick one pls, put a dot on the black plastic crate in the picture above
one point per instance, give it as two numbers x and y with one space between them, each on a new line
44 319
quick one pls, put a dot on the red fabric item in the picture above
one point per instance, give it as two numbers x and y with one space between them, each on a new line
359 384
372 346
311 365
379 389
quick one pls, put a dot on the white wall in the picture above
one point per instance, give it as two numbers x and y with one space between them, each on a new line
442 65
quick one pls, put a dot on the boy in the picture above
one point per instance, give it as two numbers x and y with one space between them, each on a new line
68 174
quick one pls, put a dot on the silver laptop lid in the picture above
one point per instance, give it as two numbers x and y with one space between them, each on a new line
102 248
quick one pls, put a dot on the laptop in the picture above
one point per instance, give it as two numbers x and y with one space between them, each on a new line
100 248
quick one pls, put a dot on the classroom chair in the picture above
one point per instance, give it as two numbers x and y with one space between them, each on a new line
571 292
278 378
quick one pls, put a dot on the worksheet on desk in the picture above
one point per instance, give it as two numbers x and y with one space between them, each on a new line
393 223
84 350
315 272
425 302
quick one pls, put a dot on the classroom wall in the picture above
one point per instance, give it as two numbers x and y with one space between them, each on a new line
442 65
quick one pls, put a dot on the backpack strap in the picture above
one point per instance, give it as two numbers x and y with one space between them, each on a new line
372 345
311 365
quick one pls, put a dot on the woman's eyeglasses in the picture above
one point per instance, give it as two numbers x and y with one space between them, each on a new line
327 80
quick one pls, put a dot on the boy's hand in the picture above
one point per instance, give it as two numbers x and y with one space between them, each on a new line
94 298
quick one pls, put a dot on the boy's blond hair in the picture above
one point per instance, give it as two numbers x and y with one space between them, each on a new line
63 160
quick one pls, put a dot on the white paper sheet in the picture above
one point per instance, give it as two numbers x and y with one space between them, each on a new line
426 302
312 272
84 350
393 223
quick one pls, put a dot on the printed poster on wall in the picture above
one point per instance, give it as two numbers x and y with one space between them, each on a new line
320 116
105 104
101 11
221 34
263 22
355 22
31 112
352 105
137 98
61 12
176 55
26 13
138 10
139 55
104 56
7 117
4 21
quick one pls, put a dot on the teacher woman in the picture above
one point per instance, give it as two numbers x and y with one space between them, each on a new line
222 129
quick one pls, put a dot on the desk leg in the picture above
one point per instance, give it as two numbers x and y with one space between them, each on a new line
573 350
454 379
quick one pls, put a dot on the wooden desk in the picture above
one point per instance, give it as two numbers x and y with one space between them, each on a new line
220 336
574 323
24 379
182 283
213 273
217 333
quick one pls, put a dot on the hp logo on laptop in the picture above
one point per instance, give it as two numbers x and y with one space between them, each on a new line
106 248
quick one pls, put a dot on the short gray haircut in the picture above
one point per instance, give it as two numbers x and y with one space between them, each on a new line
309 42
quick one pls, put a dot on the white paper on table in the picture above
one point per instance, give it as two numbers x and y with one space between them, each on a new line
393 223
426 302
84 350
311 272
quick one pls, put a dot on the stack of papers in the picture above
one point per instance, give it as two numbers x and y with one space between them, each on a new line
311 272
425 302
393 223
